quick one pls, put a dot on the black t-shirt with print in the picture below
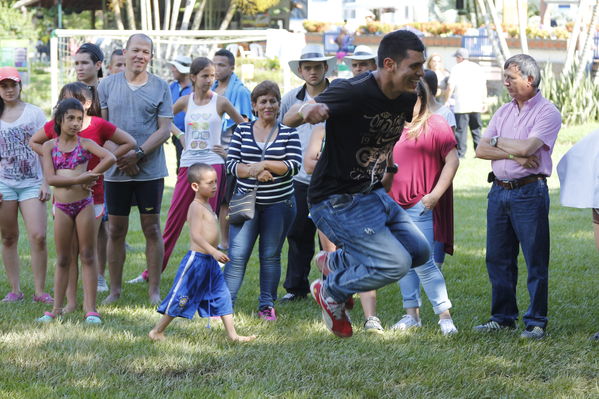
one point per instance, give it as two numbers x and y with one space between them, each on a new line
362 128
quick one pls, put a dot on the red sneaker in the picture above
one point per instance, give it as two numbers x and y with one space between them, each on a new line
333 313
321 260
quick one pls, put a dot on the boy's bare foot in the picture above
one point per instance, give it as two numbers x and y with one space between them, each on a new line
155 299
241 338
111 299
156 336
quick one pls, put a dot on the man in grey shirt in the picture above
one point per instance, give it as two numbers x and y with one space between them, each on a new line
139 103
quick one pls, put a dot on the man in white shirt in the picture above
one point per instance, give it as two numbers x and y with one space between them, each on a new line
468 85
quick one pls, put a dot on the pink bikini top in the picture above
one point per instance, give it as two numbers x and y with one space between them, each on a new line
72 159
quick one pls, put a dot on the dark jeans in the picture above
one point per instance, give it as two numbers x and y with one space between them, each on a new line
301 244
516 218
271 223
463 121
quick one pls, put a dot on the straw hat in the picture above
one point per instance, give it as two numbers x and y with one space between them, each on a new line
361 52
313 52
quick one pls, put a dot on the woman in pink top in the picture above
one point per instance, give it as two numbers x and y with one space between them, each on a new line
427 161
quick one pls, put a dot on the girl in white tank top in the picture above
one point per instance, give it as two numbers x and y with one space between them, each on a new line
202 132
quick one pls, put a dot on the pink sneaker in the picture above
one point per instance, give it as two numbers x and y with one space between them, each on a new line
12 297
268 314
333 313
44 298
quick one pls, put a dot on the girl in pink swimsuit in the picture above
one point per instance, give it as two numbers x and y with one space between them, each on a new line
65 162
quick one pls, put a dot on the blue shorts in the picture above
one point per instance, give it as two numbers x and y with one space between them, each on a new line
199 286
19 194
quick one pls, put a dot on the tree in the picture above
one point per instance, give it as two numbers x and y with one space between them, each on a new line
115 5
16 24
250 7
587 49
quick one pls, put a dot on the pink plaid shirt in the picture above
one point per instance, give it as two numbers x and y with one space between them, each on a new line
538 118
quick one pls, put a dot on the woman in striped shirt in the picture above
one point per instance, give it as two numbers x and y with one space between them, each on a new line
275 203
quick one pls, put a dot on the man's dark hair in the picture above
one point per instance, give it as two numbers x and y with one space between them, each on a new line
395 45
226 53
117 51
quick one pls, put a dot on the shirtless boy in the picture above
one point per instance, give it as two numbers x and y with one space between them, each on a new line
199 284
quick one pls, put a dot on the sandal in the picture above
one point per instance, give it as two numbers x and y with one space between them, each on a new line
93 318
44 298
48 317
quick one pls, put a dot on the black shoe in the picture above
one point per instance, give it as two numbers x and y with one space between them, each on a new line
492 325
290 297
595 337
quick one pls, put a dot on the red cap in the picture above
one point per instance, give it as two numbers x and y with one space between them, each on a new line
9 73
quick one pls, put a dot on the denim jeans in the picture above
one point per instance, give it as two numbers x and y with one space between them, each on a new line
377 241
429 274
272 223
516 218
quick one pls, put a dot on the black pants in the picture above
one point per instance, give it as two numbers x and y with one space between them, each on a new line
301 244
463 121
178 149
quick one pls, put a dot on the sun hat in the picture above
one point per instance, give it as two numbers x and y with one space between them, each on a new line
182 63
9 72
361 52
313 52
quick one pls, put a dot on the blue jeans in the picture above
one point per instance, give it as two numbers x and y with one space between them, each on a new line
516 218
429 274
377 241
271 222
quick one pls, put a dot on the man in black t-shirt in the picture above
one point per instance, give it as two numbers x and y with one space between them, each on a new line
365 117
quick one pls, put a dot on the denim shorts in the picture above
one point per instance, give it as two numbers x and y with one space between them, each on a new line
19 194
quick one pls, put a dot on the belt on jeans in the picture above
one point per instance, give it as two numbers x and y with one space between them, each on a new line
513 184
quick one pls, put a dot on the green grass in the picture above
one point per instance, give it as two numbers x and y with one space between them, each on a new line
296 357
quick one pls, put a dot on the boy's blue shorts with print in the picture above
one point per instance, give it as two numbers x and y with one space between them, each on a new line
199 286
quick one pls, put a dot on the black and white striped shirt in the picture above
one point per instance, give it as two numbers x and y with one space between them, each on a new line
284 147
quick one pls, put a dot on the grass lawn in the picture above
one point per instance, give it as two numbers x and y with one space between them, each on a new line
296 357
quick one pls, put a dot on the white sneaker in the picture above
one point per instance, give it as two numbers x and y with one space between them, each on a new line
102 286
407 322
447 327
138 279
373 325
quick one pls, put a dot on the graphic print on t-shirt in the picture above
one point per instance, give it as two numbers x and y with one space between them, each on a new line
383 131
199 130
18 160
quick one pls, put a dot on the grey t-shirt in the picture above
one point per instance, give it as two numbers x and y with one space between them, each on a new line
137 113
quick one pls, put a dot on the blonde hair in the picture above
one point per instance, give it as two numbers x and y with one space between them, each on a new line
419 122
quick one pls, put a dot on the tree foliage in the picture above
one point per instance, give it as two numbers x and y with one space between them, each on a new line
16 24
253 7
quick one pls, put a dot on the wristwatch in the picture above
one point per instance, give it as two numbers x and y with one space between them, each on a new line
493 141
392 169
139 153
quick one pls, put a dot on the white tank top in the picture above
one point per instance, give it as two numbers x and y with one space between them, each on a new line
202 133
